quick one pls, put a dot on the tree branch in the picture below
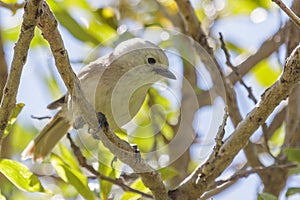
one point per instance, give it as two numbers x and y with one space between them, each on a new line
3 66
266 49
82 161
150 177
30 19
292 138
203 177
254 170
12 6
294 18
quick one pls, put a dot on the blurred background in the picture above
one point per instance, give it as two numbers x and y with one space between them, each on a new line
91 29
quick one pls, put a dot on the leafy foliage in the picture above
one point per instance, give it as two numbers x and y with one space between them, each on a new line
20 176
93 23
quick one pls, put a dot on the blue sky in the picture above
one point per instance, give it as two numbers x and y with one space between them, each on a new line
242 31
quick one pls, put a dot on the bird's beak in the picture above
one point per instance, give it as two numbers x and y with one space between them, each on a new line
164 72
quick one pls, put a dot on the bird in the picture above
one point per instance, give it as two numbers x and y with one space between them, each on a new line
115 84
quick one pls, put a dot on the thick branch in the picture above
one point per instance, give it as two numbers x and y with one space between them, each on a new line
30 19
292 138
202 178
118 147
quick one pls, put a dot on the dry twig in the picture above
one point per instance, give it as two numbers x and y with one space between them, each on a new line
82 161
289 12
246 173
12 6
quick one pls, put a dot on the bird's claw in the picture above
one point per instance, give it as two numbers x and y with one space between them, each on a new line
137 152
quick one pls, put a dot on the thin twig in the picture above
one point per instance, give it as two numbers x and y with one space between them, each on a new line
234 70
221 132
249 89
12 6
266 49
246 173
40 118
82 161
289 12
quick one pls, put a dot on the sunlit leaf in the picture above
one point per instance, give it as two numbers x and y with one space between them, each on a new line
68 157
64 17
78 3
292 191
2 197
265 74
20 176
293 154
11 34
138 184
245 6
13 118
52 85
295 170
24 131
233 47
144 138
167 172
277 140
105 158
71 176
168 132
10 1
106 32
266 196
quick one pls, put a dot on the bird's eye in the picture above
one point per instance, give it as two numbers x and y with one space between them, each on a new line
151 61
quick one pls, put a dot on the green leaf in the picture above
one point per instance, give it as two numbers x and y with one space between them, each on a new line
277 139
293 154
105 158
292 191
25 131
13 118
245 6
138 184
78 31
68 157
75 29
71 176
2 197
294 170
265 74
20 176
11 34
266 196
167 172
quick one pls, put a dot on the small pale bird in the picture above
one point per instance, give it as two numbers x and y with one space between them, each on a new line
115 84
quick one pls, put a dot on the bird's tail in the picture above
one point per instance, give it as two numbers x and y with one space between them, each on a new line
50 135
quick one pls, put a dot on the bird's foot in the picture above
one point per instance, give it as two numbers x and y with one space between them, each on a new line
103 125
137 152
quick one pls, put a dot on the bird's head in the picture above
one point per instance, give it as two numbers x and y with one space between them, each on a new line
143 58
